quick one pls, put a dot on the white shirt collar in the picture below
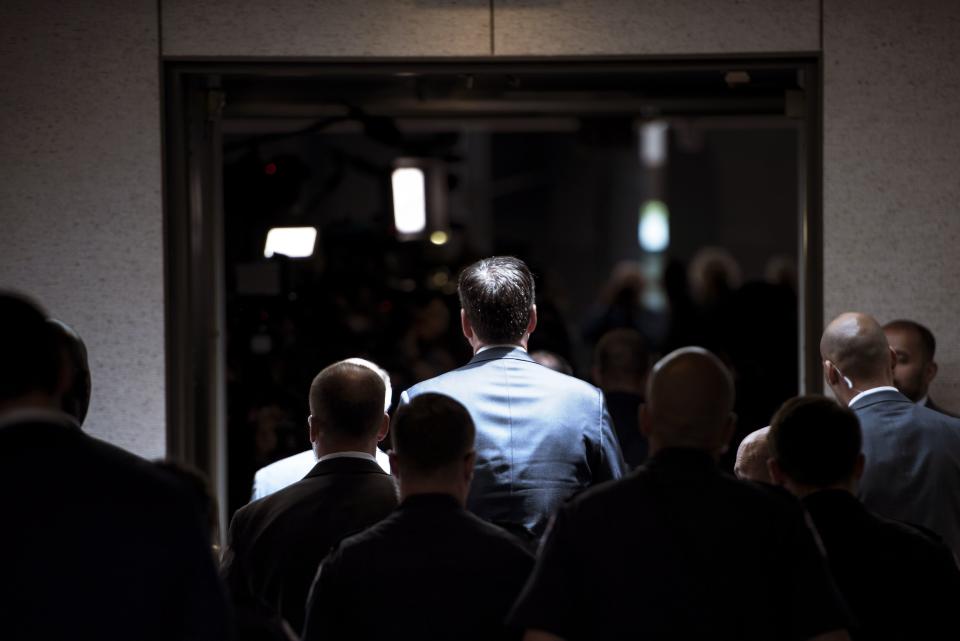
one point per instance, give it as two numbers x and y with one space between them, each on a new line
37 415
923 401
883 388
510 345
333 455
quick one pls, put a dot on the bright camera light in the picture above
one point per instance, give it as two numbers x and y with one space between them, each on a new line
409 200
653 230
439 238
653 144
295 242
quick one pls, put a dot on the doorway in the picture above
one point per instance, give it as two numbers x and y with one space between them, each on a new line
680 198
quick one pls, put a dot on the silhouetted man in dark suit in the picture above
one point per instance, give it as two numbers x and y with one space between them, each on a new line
95 543
620 365
912 470
276 543
915 368
541 436
431 570
900 582
678 549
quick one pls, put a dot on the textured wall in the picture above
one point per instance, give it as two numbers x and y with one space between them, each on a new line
340 28
655 27
80 195
80 204
891 158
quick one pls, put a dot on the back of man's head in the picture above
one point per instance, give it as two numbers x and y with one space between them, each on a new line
76 398
346 401
689 401
621 361
30 360
855 343
432 435
815 442
752 456
384 376
496 295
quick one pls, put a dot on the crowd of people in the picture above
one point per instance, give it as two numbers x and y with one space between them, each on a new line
517 501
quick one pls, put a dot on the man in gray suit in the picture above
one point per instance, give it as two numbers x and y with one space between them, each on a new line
916 368
542 436
912 453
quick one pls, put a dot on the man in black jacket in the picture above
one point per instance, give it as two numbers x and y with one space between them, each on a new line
275 543
431 569
95 543
677 549
901 582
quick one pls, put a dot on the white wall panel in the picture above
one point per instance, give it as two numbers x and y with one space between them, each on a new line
891 158
80 194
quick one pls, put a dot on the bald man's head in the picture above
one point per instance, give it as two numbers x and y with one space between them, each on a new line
689 401
752 457
346 401
855 344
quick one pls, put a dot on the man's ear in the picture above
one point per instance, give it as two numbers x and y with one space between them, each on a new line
723 443
643 420
469 463
858 466
465 325
776 474
384 428
394 464
893 358
830 373
930 372
532 323
312 429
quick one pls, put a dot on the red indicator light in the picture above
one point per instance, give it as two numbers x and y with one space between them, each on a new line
270 168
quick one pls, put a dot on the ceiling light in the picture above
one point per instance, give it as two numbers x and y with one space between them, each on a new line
295 242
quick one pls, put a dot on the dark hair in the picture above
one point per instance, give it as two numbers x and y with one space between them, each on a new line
622 354
815 441
496 294
30 359
927 341
76 399
347 399
433 431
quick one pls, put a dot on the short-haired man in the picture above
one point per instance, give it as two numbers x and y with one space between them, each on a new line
752 457
431 570
678 549
275 543
95 543
541 436
900 582
915 368
287 471
620 366
912 453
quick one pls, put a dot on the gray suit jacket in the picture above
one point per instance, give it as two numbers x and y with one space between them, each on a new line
542 436
912 468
